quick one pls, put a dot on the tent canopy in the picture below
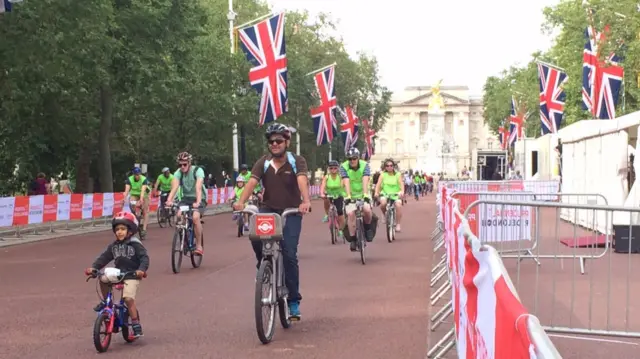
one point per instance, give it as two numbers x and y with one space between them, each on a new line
592 128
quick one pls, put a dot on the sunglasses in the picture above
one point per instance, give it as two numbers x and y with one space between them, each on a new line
183 164
277 141
388 165
333 168
353 159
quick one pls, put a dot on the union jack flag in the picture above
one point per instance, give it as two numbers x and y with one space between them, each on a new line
503 135
516 119
369 138
264 46
601 80
552 97
349 128
324 116
513 134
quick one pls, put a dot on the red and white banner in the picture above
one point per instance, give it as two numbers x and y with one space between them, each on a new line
490 321
26 210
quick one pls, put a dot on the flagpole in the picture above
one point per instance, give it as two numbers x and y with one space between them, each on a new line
254 20
321 69
550 65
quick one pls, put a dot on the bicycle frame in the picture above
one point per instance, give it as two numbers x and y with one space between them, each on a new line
186 224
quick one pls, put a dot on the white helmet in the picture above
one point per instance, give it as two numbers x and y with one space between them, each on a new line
240 179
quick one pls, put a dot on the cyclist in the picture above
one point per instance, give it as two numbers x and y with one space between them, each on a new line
237 192
391 187
137 186
332 186
355 175
190 180
246 174
164 182
128 255
286 185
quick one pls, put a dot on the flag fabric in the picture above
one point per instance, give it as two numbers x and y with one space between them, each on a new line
552 97
264 46
5 6
349 128
601 80
503 135
516 119
369 137
513 134
324 116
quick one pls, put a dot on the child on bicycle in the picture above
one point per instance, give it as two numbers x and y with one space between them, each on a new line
237 193
128 255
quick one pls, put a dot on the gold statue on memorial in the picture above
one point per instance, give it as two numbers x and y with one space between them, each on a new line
436 102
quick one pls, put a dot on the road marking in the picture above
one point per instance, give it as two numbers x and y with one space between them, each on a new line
592 339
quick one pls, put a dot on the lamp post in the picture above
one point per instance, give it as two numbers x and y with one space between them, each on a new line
231 16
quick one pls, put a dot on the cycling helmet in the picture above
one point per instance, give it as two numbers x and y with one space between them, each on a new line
166 169
184 156
126 218
137 171
278 129
240 179
353 153
333 164
244 167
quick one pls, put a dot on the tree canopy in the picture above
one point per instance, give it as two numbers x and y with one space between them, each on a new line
89 88
568 20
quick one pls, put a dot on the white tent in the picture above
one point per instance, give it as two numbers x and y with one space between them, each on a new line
594 161
547 158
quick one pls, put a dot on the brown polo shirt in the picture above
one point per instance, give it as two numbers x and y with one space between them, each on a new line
281 189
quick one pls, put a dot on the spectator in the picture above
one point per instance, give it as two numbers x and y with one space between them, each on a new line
39 186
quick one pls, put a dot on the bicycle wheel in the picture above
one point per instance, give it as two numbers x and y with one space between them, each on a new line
240 226
264 281
102 321
362 243
196 259
176 250
332 228
160 217
391 225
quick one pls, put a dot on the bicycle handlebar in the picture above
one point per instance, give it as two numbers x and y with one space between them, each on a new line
121 277
254 210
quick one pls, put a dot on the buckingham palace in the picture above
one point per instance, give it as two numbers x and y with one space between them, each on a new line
434 129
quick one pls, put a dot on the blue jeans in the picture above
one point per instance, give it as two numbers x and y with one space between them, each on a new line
289 243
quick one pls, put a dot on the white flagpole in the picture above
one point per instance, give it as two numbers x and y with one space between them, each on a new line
254 21
321 69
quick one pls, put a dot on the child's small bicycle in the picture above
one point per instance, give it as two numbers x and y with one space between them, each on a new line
113 317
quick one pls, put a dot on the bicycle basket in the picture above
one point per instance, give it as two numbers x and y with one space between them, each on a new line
265 227
110 275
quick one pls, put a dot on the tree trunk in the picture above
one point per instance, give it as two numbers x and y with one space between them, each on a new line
104 150
83 167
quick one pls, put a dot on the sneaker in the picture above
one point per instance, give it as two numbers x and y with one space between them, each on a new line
294 310
398 228
368 235
325 219
99 307
137 330
353 246
234 217
246 228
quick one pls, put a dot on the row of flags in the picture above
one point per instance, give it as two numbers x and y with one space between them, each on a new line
264 46
601 85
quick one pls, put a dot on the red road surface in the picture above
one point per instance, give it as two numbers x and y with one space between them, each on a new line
379 310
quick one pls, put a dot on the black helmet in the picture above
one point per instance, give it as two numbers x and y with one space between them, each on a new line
244 167
333 164
353 153
278 129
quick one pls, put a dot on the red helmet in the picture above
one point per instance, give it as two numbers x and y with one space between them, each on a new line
126 218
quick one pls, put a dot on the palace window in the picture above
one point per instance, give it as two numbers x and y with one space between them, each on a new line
383 146
399 125
399 146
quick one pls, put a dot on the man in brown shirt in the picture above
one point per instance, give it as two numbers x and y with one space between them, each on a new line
286 185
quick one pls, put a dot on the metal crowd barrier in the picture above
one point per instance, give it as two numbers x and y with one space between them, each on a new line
602 302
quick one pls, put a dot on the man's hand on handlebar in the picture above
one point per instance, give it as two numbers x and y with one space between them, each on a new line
238 206
304 207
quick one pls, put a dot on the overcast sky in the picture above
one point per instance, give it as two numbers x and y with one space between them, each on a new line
417 42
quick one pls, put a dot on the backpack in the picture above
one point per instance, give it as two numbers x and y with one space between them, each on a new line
290 157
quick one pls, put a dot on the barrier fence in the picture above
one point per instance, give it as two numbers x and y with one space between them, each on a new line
489 321
32 210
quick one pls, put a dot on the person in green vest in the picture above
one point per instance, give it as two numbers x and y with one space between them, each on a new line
356 174
390 187
237 193
137 187
164 182
246 174
190 180
331 186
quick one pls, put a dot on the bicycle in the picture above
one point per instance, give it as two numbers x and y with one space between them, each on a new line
137 211
334 227
114 316
361 242
267 228
163 214
253 201
184 242
391 218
